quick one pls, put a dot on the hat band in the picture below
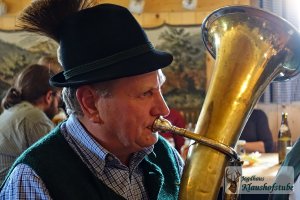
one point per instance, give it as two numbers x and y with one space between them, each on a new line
98 64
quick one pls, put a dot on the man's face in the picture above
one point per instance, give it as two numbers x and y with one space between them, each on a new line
53 107
129 112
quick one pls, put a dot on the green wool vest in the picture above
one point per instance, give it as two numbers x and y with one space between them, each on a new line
67 177
292 159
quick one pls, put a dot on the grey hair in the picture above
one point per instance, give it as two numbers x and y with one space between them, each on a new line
71 103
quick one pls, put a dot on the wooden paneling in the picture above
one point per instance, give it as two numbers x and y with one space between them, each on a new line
273 112
8 22
154 6
15 6
156 12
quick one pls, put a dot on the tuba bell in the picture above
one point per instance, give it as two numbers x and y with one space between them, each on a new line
252 47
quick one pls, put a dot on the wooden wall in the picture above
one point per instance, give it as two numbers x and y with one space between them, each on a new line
156 12
274 111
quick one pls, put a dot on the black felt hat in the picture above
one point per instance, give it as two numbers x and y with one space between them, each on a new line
103 43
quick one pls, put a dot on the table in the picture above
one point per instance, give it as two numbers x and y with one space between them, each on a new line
266 166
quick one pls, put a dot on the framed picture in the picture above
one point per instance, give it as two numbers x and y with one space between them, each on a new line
19 49
185 86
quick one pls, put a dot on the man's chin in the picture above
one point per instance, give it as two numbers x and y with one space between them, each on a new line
151 139
154 138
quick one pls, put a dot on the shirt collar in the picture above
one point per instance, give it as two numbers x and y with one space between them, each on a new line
90 149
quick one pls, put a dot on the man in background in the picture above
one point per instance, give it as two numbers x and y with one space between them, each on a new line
52 63
29 106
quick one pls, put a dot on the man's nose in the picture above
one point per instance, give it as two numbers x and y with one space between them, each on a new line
160 107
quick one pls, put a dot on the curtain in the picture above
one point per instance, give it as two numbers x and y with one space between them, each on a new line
288 91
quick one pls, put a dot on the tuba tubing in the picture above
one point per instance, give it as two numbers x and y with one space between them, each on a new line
252 47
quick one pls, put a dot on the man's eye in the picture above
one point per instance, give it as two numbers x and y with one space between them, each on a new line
148 93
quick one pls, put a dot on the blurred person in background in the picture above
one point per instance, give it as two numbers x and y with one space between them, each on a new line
257 133
29 105
52 63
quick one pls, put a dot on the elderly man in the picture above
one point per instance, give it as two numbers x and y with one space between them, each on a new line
112 90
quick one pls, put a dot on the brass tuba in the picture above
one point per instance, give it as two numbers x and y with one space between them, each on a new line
252 47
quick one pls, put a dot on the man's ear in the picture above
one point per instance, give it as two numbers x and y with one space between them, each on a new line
87 99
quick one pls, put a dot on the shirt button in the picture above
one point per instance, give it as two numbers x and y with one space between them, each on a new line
110 158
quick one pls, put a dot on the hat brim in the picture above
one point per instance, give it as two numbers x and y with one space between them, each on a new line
141 64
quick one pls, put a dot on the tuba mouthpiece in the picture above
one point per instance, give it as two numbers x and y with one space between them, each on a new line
162 124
